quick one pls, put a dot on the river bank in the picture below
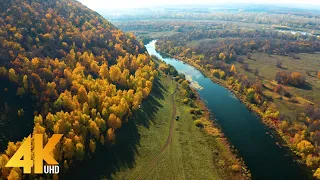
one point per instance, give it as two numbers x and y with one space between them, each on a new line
212 128
275 132
245 131
206 122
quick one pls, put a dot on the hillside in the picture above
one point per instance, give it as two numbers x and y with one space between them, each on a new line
72 71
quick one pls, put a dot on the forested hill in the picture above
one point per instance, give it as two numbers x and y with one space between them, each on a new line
34 28
85 75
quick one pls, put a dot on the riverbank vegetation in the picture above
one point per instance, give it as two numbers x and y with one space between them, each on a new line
274 73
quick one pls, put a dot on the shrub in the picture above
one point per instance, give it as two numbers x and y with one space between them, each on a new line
250 95
235 168
294 78
186 100
192 111
199 123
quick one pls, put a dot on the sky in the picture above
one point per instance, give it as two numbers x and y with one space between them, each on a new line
119 4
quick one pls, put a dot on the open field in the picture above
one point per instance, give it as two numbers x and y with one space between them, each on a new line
267 70
156 35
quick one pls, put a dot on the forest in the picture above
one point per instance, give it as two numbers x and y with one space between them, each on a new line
85 75
274 72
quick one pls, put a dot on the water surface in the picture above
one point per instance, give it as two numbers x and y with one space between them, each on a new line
245 131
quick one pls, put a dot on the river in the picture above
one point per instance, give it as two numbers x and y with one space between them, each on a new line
265 159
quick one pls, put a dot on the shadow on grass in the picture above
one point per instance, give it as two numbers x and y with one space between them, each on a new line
151 105
283 68
306 86
109 159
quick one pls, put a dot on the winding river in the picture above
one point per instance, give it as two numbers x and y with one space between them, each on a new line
245 131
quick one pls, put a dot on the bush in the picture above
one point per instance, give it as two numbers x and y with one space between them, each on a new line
235 168
294 78
192 104
192 111
199 123
250 95
186 100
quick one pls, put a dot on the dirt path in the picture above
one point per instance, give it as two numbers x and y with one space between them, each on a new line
155 159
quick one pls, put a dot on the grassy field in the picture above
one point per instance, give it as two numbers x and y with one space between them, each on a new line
190 155
267 70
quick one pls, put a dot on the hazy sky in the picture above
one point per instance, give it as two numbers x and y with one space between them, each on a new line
116 4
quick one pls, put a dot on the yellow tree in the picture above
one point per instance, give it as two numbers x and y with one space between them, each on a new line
104 72
11 149
222 56
305 147
114 122
13 76
317 173
85 108
3 161
115 73
92 145
79 151
137 99
15 174
68 75
92 96
94 129
111 136
233 69
82 94
100 123
3 72
35 63
68 148
94 67
312 161
297 78
49 121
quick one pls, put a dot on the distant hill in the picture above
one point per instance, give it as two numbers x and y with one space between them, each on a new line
85 75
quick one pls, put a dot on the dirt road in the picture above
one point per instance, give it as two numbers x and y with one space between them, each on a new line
153 162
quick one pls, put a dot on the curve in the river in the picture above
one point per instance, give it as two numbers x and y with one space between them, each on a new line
245 131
